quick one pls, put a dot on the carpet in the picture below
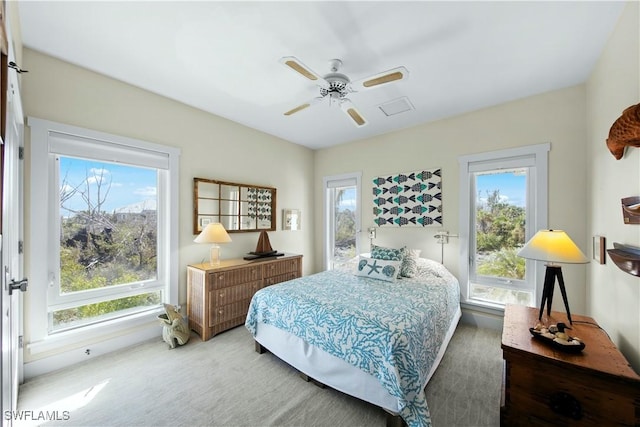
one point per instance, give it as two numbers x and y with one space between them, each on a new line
224 382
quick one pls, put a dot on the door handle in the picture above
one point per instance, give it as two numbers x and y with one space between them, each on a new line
20 285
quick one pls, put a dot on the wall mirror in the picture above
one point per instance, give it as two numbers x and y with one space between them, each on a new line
238 207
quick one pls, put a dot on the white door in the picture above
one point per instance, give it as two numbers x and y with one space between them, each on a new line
12 265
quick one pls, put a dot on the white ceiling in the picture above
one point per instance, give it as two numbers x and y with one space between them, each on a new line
222 57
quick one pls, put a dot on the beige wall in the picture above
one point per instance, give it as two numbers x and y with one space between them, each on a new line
556 117
614 296
212 147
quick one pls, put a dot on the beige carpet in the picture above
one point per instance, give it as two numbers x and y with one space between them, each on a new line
224 382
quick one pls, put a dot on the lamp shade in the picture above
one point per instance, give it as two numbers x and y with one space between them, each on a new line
214 232
553 246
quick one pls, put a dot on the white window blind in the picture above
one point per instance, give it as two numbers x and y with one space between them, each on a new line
78 146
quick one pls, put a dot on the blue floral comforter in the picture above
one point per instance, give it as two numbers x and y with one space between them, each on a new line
391 330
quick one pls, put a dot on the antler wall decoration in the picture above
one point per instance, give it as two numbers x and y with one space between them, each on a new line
625 131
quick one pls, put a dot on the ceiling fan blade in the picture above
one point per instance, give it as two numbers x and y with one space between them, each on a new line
395 74
296 65
303 106
350 109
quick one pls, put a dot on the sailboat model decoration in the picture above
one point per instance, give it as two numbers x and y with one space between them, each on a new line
263 248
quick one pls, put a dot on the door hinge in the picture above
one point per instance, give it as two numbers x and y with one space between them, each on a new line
21 153
20 342
20 246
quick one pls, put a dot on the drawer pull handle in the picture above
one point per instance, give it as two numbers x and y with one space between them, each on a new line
221 294
564 404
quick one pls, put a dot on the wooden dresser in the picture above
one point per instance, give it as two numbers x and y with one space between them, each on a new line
547 387
218 297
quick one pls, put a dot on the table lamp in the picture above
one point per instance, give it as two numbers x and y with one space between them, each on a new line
214 233
553 246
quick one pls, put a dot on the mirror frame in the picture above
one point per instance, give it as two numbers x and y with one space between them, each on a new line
216 198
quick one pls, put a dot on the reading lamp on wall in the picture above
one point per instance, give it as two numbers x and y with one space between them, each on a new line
372 235
553 247
442 237
213 233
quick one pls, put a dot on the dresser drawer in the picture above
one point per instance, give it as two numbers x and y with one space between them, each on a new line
225 313
224 296
223 279
281 278
278 268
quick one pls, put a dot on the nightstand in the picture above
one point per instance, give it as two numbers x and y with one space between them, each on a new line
547 387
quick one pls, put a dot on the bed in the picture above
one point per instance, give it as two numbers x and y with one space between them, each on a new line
377 340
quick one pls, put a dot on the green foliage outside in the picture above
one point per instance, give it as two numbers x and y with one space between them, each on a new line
345 229
500 232
98 251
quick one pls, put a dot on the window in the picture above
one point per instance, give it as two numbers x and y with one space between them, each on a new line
110 205
503 200
342 219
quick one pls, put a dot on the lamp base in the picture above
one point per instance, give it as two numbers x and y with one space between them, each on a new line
214 256
552 272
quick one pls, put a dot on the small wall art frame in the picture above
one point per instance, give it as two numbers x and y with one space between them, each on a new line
599 249
291 219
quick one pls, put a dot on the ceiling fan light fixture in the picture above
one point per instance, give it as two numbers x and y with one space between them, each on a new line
335 86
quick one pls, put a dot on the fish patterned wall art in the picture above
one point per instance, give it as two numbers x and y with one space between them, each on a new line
408 199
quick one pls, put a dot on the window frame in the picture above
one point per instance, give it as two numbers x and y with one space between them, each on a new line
535 157
43 169
328 184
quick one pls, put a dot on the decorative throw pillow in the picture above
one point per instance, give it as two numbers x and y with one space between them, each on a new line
430 268
387 254
409 267
378 269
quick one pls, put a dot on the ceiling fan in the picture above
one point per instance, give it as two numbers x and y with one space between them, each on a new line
335 86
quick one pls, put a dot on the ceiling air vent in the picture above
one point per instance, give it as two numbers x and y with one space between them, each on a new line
396 106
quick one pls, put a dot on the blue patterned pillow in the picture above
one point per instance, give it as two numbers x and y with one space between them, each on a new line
378 269
387 254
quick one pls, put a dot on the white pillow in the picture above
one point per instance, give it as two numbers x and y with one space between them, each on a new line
378 269
409 267
428 267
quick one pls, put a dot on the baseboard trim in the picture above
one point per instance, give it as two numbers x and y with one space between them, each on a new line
482 319
67 358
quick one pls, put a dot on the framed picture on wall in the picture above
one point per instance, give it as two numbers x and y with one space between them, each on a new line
291 219
599 249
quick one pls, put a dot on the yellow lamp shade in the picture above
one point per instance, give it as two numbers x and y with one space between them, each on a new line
553 246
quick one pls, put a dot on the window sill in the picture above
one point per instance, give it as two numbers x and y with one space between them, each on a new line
482 315
484 307
92 333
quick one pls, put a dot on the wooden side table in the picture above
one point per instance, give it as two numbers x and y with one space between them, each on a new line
547 387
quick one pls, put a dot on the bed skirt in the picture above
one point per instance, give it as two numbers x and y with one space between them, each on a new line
333 371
